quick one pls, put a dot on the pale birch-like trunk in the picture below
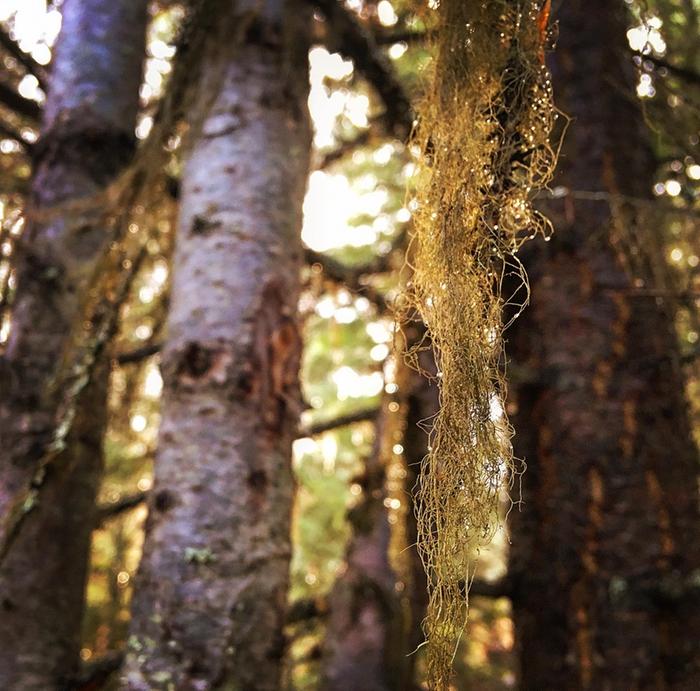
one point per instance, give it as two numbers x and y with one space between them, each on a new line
211 593
87 138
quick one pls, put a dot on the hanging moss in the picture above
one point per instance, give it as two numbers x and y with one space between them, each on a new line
484 135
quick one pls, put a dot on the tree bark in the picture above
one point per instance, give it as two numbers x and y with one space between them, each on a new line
87 138
422 405
605 551
211 593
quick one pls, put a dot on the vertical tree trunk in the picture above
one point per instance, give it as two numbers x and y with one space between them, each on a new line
365 643
422 404
87 138
210 597
605 551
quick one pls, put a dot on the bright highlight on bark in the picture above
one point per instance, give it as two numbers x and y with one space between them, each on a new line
484 132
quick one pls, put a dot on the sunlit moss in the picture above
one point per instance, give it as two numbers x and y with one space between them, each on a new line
483 142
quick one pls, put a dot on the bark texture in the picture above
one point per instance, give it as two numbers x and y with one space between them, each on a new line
87 138
422 405
605 552
211 593
365 646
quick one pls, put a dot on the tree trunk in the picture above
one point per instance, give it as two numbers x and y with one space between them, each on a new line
605 551
211 593
422 405
365 645
87 139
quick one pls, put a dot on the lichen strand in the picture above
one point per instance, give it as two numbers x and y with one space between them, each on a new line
484 132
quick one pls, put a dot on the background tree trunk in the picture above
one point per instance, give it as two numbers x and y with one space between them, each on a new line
422 405
87 139
365 642
605 552
211 593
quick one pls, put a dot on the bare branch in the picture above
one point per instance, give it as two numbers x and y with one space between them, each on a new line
350 276
8 132
114 509
683 73
131 501
348 35
139 354
495 589
344 148
315 428
388 38
336 271
19 104
25 59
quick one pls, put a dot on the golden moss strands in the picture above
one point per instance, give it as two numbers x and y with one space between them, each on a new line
484 132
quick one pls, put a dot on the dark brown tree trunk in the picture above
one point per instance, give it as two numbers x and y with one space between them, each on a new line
211 593
87 139
605 550
365 645
422 404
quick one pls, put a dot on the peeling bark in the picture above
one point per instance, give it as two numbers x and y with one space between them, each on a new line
211 593
605 551
87 138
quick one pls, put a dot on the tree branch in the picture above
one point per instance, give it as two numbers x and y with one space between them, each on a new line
495 589
114 509
131 501
19 104
25 59
139 354
388 38
341 421
684 73
9 132
348 35
352 277
345 147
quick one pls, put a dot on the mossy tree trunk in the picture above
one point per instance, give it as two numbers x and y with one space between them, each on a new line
605 550
211 593
87 138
